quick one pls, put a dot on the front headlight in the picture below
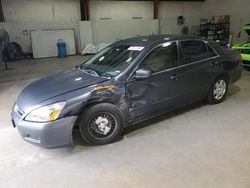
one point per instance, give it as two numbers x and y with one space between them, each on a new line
46 113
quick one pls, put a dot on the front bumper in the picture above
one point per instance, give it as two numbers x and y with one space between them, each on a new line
47 135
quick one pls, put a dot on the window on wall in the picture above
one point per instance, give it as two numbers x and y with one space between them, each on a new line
193 50
162 58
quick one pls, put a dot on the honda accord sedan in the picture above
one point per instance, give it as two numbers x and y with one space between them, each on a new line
127 82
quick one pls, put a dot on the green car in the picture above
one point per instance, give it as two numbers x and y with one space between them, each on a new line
244 48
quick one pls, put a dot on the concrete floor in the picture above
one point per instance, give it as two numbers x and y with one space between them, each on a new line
199 146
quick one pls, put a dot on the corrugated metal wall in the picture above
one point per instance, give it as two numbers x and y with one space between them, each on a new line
85 31
16 31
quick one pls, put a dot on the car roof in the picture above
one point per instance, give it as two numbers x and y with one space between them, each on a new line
154 39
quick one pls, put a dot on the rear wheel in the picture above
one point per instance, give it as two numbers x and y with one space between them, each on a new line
101 124
218 90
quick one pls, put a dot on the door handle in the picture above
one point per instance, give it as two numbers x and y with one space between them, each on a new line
213 64
175 76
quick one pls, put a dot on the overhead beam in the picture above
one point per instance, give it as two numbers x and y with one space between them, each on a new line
156 7
2 19
159 0
84 7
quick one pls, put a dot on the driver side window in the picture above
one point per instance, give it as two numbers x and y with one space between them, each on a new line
161 58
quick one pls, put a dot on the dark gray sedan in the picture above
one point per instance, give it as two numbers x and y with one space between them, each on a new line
127 82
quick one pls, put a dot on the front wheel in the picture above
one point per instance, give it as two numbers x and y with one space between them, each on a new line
218 91
101 124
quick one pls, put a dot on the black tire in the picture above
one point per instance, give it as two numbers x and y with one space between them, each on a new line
219 96
109 128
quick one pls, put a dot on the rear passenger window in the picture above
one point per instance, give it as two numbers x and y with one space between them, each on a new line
211 52
194 51
162 58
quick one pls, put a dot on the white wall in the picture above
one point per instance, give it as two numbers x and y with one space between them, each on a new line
123 10
41 10
231 7
32 13
67 10
239 12
120 10
109 31
194 11
96 32
171 9
169 12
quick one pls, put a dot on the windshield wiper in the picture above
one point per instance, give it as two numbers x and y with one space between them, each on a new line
91 71
88 71
107 75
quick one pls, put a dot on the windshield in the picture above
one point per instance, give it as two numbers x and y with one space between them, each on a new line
112 60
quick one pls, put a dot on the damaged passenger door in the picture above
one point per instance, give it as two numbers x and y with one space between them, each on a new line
160 91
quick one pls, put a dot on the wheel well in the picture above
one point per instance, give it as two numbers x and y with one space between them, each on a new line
225 75
86 107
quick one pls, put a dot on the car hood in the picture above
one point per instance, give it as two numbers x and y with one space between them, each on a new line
55 85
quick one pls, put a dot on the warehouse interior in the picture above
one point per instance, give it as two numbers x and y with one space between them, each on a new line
200 145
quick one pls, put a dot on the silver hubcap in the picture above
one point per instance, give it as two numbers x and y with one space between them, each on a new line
103 124
220 89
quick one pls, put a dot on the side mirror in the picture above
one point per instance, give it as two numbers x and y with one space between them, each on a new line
142 73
